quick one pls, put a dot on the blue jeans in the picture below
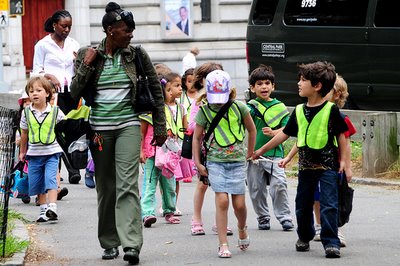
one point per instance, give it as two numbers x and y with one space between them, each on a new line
308 181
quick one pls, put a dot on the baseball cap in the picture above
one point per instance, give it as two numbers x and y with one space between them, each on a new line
218 86
23 96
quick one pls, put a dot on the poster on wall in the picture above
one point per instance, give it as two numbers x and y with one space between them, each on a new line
177 21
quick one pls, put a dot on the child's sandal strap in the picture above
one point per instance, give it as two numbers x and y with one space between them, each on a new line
242 229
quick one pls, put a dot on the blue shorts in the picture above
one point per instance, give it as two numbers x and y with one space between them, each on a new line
227 177
42 173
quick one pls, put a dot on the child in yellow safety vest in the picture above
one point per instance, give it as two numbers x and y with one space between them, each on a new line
176 117
270 117
37 130
226 156
319 128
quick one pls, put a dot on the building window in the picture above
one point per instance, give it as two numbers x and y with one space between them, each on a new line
205 10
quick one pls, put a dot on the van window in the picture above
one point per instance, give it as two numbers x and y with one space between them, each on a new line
326 12
387 13
264 12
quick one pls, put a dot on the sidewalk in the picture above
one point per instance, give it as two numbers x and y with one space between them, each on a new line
74 236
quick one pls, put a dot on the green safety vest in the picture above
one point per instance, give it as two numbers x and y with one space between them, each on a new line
272 115
230 129
41 132
186 103
315 134
175 124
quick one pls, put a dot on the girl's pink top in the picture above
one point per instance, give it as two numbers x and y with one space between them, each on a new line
148 149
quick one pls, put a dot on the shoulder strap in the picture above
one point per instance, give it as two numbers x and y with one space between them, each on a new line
138 61
216 120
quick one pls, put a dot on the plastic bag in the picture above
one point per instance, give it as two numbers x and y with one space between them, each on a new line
168 158
78 145
79 153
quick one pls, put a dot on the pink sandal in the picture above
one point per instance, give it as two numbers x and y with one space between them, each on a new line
197 228
223 251
149 220
171 219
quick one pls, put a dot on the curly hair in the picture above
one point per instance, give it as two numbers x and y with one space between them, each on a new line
341 88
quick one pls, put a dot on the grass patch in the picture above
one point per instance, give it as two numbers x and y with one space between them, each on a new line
292 167
13 244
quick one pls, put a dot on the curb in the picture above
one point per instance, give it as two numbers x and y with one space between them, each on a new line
365 181
374 182
21 232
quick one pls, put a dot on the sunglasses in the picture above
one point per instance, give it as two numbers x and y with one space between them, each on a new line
127 17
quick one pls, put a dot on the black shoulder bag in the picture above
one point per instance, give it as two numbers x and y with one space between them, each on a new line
346 194
144 98
203 156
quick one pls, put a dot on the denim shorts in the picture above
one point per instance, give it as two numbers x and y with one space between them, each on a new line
42 173
227 177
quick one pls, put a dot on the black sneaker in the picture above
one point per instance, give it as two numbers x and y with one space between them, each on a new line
74 178
62 193
263 223
287 225
302 246
332 252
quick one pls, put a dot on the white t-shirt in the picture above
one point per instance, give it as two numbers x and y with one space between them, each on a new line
188 61
51 59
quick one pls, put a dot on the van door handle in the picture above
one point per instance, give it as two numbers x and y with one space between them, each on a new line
370 90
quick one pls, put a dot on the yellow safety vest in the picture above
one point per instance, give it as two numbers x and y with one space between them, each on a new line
272 115
147 117
175 124
41 132
315 134
230 129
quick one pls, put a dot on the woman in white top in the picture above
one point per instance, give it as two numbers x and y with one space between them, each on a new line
54 57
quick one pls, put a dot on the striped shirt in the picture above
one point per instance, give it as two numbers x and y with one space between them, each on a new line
39 149
113 109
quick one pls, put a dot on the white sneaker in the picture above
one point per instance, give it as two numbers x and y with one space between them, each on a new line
42 216
341 238
51 212
317 236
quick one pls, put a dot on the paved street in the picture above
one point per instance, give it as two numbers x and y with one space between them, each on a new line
373 234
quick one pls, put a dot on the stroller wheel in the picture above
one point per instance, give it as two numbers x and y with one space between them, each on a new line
26 199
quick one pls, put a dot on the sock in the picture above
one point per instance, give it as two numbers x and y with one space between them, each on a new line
43 207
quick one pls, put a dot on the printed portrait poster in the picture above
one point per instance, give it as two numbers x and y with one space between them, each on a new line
177 21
